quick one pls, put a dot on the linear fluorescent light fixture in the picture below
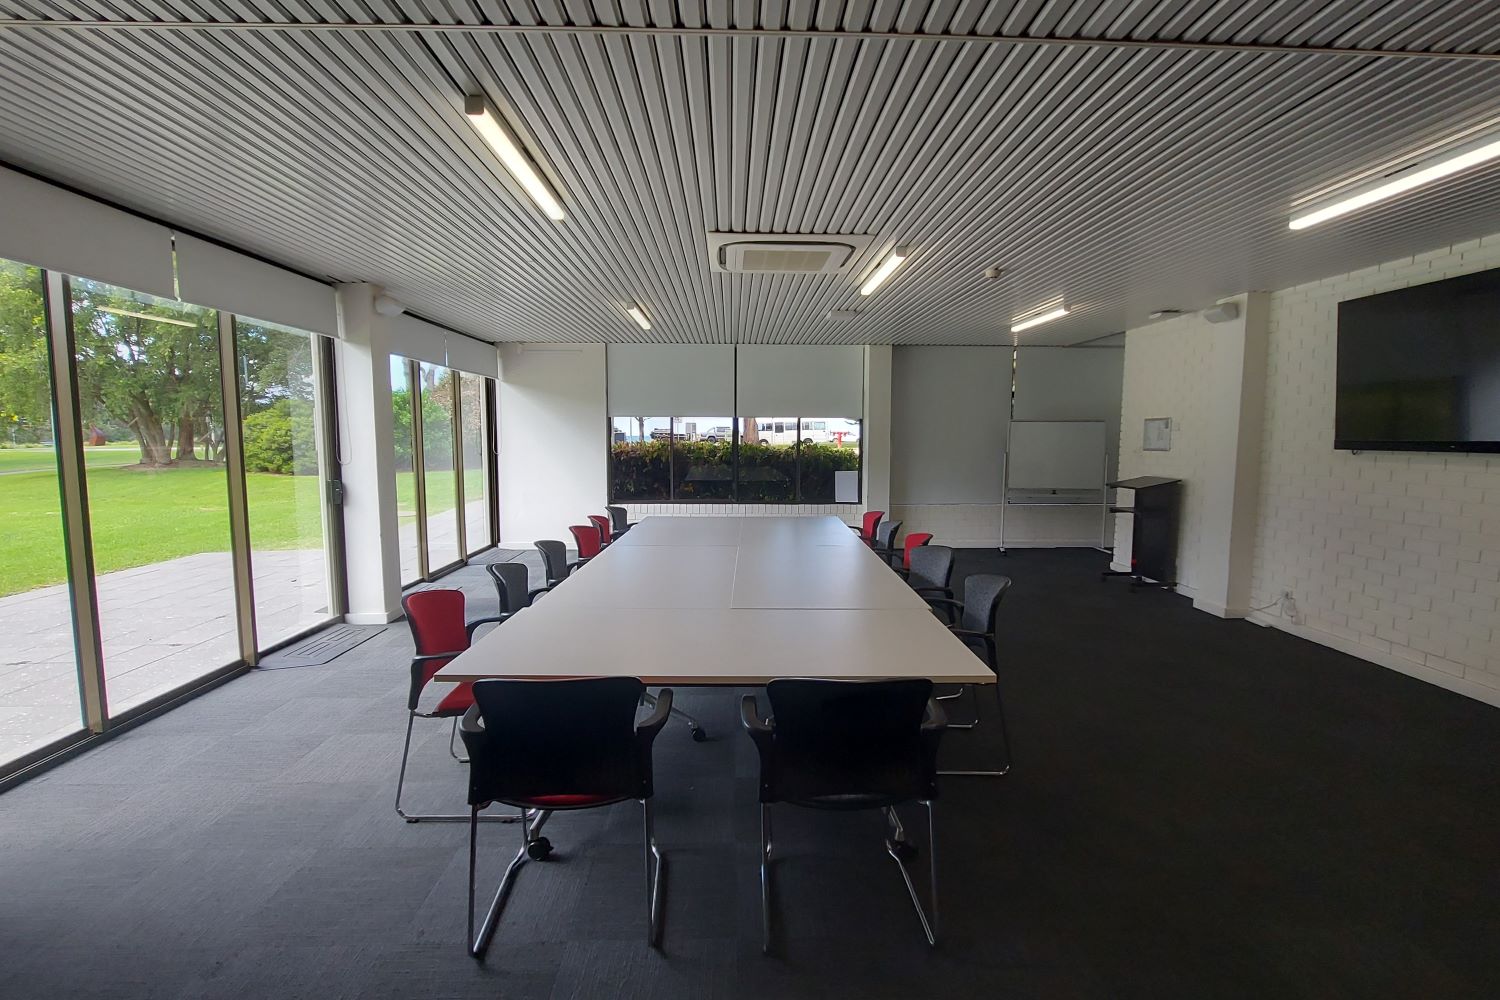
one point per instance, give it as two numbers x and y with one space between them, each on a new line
500 139
885 270
1435 168
1016 326
634 312
140 315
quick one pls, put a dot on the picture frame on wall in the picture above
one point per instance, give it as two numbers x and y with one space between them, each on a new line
1157 435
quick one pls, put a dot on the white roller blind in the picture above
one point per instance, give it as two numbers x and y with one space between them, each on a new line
785 381
210 275
45 226
949 410
422 341
671 380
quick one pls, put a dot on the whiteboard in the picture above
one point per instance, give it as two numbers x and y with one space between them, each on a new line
1057 455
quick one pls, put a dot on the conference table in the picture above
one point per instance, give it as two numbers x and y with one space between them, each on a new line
726 602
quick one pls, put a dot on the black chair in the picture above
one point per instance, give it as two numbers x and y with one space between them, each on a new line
551 746
555 561
885 539
930 572
512 581
619 521
849 745
976 615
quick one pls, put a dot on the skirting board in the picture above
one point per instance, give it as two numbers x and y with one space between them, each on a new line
1422 672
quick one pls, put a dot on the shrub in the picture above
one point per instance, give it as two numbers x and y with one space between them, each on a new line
280 439
704 470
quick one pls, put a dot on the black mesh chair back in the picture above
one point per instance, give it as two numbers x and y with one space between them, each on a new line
931 567
619 519
982 595
511 582
554 560
558 744
848 744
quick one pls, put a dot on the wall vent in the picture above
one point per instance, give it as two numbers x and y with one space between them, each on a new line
783 253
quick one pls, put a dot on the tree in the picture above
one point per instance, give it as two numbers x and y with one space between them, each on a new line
25 382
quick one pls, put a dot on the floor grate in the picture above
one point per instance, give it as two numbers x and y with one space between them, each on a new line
318 649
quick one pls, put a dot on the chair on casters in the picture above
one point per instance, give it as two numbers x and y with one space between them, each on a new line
931 571
849 745
589 544
602 523
976 614
865 529
436 619
555 563
619 520
512 582
914 540
885 540
553 746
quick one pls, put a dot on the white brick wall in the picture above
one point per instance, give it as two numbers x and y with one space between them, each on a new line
1164 366
1394 556
977 525
850 512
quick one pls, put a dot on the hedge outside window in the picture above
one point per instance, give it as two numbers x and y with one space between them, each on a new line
702 458
640 459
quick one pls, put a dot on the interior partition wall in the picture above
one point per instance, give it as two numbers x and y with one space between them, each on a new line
165 491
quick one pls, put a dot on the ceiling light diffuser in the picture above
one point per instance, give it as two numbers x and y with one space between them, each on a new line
140 315
896 259
640 318
500 139
1421 172
1017 325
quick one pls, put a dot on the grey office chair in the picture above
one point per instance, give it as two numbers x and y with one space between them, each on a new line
555 561
885 539
619 520
512 581
976 615
931 571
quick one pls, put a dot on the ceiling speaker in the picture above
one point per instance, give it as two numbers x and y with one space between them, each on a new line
1221 313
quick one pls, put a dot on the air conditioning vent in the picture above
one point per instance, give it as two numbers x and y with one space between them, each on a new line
780 253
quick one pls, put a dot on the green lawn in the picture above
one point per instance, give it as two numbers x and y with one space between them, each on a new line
139 516
34 459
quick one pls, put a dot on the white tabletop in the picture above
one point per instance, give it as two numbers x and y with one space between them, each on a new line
726 601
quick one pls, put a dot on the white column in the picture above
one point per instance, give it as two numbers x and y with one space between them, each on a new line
368 457
876 433
1231 486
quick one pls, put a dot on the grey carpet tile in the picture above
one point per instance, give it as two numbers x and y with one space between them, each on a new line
1199 808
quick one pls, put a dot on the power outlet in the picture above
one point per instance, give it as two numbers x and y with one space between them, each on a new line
1288 607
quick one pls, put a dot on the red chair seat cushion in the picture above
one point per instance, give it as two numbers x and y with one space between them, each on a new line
455 702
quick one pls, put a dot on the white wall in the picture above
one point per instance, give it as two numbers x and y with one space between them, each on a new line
553 439
1394 557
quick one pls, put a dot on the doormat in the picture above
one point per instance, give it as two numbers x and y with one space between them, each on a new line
318 649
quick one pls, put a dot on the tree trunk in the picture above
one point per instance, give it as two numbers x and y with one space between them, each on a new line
187 425
155 451
751 432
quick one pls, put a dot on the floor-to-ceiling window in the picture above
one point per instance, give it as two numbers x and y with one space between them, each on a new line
280 399
148 376
436 397
474 419
402 412
39 683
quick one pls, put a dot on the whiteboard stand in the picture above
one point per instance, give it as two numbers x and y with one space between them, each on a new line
1062 463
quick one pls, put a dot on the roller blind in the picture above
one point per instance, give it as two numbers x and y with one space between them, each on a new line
950 407
670 380
210 275
422 341
51 228
785 381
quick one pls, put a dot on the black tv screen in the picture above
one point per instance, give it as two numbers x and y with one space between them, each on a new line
1419 368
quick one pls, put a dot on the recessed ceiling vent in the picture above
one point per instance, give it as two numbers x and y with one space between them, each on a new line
783 253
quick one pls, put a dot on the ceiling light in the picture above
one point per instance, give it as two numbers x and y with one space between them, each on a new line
1400 181
154 319
499 138
640 318
1016 326
896 259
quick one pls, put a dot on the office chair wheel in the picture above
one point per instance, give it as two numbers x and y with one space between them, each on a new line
699 735
539 849
903 850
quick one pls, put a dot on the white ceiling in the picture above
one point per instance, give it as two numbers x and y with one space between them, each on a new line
1122 179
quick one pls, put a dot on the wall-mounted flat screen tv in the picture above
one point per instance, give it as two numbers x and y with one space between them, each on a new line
1419 368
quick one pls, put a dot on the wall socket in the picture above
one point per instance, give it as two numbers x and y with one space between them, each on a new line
1288 607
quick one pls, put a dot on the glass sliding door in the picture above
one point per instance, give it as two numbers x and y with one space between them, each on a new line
40 698
149 382
279 413
438 390
474 419
406 469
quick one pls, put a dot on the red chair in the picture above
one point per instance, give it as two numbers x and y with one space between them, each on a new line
436 619
601 521
867 526
913 540
588 541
